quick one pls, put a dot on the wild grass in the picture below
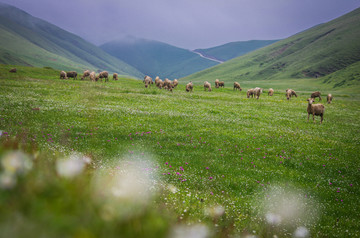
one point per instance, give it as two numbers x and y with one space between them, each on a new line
216 162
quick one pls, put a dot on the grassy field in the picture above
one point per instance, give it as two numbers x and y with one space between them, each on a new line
118 160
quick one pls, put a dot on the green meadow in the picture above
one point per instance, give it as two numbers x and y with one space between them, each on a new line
160 164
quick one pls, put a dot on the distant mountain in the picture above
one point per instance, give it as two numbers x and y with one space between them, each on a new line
234 49
330 50
27 40
155 58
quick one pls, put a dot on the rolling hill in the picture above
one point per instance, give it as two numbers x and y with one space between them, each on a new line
330 52
30 41
234 49
155 58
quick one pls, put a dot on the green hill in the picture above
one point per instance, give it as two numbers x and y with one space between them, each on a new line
320 52
156 58
27 40
234 49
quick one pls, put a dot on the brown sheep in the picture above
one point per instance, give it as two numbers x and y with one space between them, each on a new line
207 86
13 70
250 92
86 74
92 76
103 74
316 94
257 92
271 92
169 87
167 83
221 84
217 83
290 93
157 79
147 81
329 98
145 77
115 76
315 109
237 86
175 83
189 87
72 74
63 75
159 83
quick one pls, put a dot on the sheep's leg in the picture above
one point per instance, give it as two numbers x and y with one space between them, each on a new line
322 118
308 116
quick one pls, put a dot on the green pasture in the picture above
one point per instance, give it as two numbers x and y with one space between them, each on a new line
212 162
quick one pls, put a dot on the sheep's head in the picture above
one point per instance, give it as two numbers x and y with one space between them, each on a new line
310 100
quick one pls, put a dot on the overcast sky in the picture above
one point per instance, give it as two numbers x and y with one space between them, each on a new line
188 24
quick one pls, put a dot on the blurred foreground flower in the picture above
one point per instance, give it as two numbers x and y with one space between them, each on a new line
125 191
16 162
301 232
72 166
195 231
273 219
215 212
7 181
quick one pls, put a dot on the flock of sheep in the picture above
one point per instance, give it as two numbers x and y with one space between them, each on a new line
92 76
313 109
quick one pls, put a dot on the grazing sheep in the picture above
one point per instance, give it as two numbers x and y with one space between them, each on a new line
145 77
290 93
147 81
315 109
329 98
13 70
115 76
189 87
175 83
167 83
237 86
86 74
169 87
250 92
257 92
271 92
221 84
103 74
159 83
207 86
72 74
316 94
93 76
217 83
63 75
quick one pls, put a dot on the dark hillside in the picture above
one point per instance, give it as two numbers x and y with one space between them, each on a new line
27 40
317 52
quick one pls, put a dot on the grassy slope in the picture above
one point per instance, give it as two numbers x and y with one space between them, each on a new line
39 43
320 51
156 58
235 152
234 49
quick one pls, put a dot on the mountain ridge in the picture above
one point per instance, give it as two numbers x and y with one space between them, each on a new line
155 58
28 40
314 53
